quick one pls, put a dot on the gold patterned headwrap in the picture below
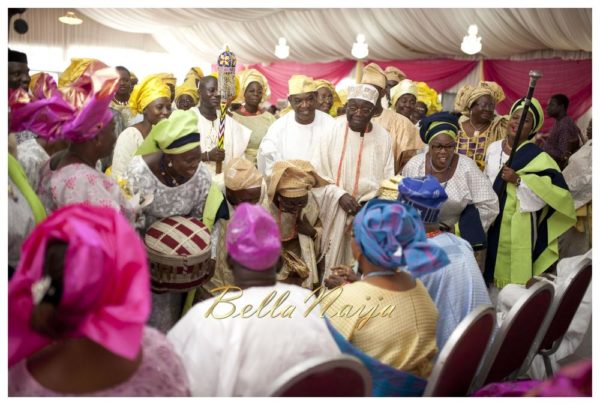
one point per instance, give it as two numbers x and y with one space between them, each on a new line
394 74
468 95
299 84
150 89
429 97
405 86
75 70
248 76
388 189
374 74
241 174
293 178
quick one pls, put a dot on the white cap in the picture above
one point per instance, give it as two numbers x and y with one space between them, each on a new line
363 92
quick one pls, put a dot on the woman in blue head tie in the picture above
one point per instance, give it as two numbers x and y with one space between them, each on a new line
379 314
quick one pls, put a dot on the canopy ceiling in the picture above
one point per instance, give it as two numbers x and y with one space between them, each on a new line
324 35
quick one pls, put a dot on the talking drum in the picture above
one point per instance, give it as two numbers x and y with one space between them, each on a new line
178 249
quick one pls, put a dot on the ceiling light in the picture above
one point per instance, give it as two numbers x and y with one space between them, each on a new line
70 18
471 44
360 49
282 50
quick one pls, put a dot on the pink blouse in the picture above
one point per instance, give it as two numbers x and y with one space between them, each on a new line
79 183
161 374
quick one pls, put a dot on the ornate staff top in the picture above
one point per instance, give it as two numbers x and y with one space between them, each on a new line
226 69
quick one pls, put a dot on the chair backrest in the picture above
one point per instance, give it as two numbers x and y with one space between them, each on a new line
340 375
458 361
516 335
561 314
567 302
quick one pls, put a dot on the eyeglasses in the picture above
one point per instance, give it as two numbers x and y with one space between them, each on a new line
366 110
438 147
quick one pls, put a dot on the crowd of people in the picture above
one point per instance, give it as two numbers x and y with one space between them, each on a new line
364 221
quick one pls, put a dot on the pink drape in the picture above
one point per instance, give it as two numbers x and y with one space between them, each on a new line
279 73
439 74
570 77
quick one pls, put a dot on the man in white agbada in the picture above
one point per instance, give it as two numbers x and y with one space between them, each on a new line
237 136
296 135
356 156
241 356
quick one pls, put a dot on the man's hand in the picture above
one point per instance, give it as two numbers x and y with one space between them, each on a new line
340 275
349 204
216 155
305 228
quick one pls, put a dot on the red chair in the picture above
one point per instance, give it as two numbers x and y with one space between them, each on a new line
341 375
560 316
457 363
516 335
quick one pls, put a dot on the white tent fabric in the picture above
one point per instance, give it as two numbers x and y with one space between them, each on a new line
323 35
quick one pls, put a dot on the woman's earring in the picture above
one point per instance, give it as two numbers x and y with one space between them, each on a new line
170 164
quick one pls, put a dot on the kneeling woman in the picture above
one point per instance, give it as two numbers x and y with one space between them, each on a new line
388 238
169 169
536 208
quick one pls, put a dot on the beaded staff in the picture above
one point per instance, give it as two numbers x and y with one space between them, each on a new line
226 80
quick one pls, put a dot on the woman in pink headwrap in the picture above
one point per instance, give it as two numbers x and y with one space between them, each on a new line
78 113
78 304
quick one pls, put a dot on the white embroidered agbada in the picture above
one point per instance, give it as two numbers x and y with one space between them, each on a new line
286 139
243 356
338 162
236 139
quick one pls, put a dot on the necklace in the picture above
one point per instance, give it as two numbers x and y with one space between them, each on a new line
433 169
478 130
119 102
505 145
433 234
383 273
171 180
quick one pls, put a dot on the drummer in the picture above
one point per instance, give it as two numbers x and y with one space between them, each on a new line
168 170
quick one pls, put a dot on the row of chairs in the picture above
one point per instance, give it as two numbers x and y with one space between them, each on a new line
472 356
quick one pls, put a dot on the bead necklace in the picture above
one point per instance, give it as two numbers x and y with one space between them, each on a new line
383 273
433 234
121 103
479 130
171 180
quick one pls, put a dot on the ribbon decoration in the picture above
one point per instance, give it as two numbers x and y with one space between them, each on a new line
226 81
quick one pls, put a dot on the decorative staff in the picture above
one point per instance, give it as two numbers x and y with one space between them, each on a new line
534 76
226 81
